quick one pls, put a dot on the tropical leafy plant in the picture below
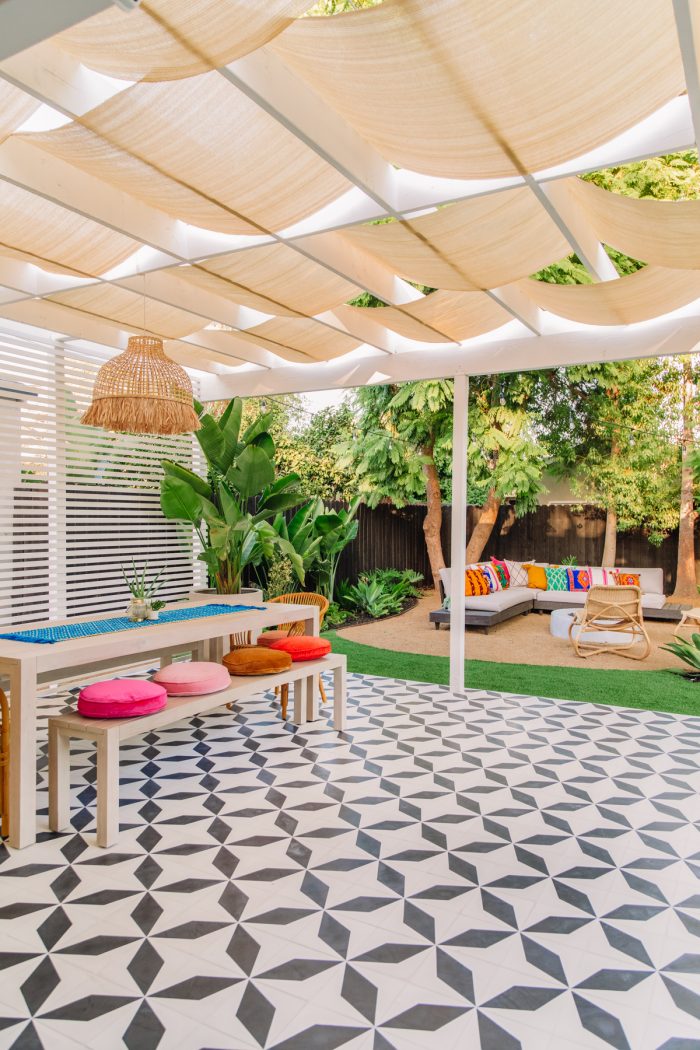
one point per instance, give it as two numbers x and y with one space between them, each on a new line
319 535
382 592
689 653
241 474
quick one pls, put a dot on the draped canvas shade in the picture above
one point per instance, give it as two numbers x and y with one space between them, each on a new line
171 39
469 90
252 172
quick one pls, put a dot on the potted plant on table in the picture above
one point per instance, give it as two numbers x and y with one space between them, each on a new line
232 508
143 605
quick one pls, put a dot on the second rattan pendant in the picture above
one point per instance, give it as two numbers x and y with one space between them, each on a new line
142 391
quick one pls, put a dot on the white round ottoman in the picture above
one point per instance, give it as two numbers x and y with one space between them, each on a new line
560 621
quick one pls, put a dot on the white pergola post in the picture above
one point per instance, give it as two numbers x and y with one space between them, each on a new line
459 530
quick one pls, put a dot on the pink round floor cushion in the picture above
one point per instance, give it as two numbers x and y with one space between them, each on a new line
121 698
194 678
303 647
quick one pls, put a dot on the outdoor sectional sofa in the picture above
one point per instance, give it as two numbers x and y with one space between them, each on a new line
489 609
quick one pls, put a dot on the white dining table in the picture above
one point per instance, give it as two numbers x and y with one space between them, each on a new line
27 665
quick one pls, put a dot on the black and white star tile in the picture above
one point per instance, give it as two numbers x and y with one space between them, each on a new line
485 870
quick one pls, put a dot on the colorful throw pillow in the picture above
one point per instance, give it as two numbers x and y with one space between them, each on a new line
490 573
501 568
475 583
625 579
536 577
578 580
557 579
517 572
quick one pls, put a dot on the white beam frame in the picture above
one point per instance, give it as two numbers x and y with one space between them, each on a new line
59 81
458 543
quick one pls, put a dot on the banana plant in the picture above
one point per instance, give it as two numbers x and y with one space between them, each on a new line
689 653
241 471
319 535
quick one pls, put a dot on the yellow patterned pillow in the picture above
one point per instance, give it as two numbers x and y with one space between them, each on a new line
475 583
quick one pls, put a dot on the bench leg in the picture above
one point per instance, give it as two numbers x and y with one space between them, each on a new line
59 780
107 789
339 697
298 694
311 685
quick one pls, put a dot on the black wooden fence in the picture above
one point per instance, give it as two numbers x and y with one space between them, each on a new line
390 537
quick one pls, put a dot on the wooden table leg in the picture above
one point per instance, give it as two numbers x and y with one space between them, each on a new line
340 689
23 754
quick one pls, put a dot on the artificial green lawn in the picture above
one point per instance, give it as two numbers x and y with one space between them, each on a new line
651 690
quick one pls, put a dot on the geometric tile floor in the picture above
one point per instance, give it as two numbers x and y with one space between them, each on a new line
477 871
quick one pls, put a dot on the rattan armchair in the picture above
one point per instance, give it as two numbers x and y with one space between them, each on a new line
4 765
614 610
297 628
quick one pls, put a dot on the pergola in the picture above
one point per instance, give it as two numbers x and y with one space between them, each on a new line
211 172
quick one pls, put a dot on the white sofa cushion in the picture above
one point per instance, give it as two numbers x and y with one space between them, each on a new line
572 598
500 600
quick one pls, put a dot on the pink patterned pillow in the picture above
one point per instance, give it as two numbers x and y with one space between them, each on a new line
193 678
121 698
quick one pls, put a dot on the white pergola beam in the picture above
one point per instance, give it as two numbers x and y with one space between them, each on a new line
686 14
519 305
265 79
26 22
555 198
458 540
482 357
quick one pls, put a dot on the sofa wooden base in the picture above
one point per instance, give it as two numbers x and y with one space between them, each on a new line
479 618
486 618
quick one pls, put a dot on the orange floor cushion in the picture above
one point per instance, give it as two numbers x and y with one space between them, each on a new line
303 647
270 637
256 659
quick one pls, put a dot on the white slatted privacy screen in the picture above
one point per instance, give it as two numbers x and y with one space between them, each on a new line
77 503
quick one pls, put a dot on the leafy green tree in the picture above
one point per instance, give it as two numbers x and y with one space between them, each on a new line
402 451
399 432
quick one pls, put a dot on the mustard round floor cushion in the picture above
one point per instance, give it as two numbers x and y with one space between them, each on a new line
192 678
256 659
270 637
303 647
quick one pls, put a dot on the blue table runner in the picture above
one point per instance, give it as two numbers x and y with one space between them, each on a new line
63 632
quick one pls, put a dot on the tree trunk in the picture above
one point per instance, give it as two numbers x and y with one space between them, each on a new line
484 527
686 584
433 518
610 545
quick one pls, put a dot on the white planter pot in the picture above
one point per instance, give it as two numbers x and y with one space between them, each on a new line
248 596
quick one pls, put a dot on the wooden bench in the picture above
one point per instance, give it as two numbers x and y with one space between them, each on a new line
108 733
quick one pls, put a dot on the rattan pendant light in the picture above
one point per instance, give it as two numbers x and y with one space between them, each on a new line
142 391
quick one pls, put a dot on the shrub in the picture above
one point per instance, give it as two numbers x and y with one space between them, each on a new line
382 592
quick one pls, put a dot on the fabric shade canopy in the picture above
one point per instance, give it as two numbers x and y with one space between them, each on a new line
239 175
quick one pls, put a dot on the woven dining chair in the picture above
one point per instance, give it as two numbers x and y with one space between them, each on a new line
616 610
4 765
296 628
